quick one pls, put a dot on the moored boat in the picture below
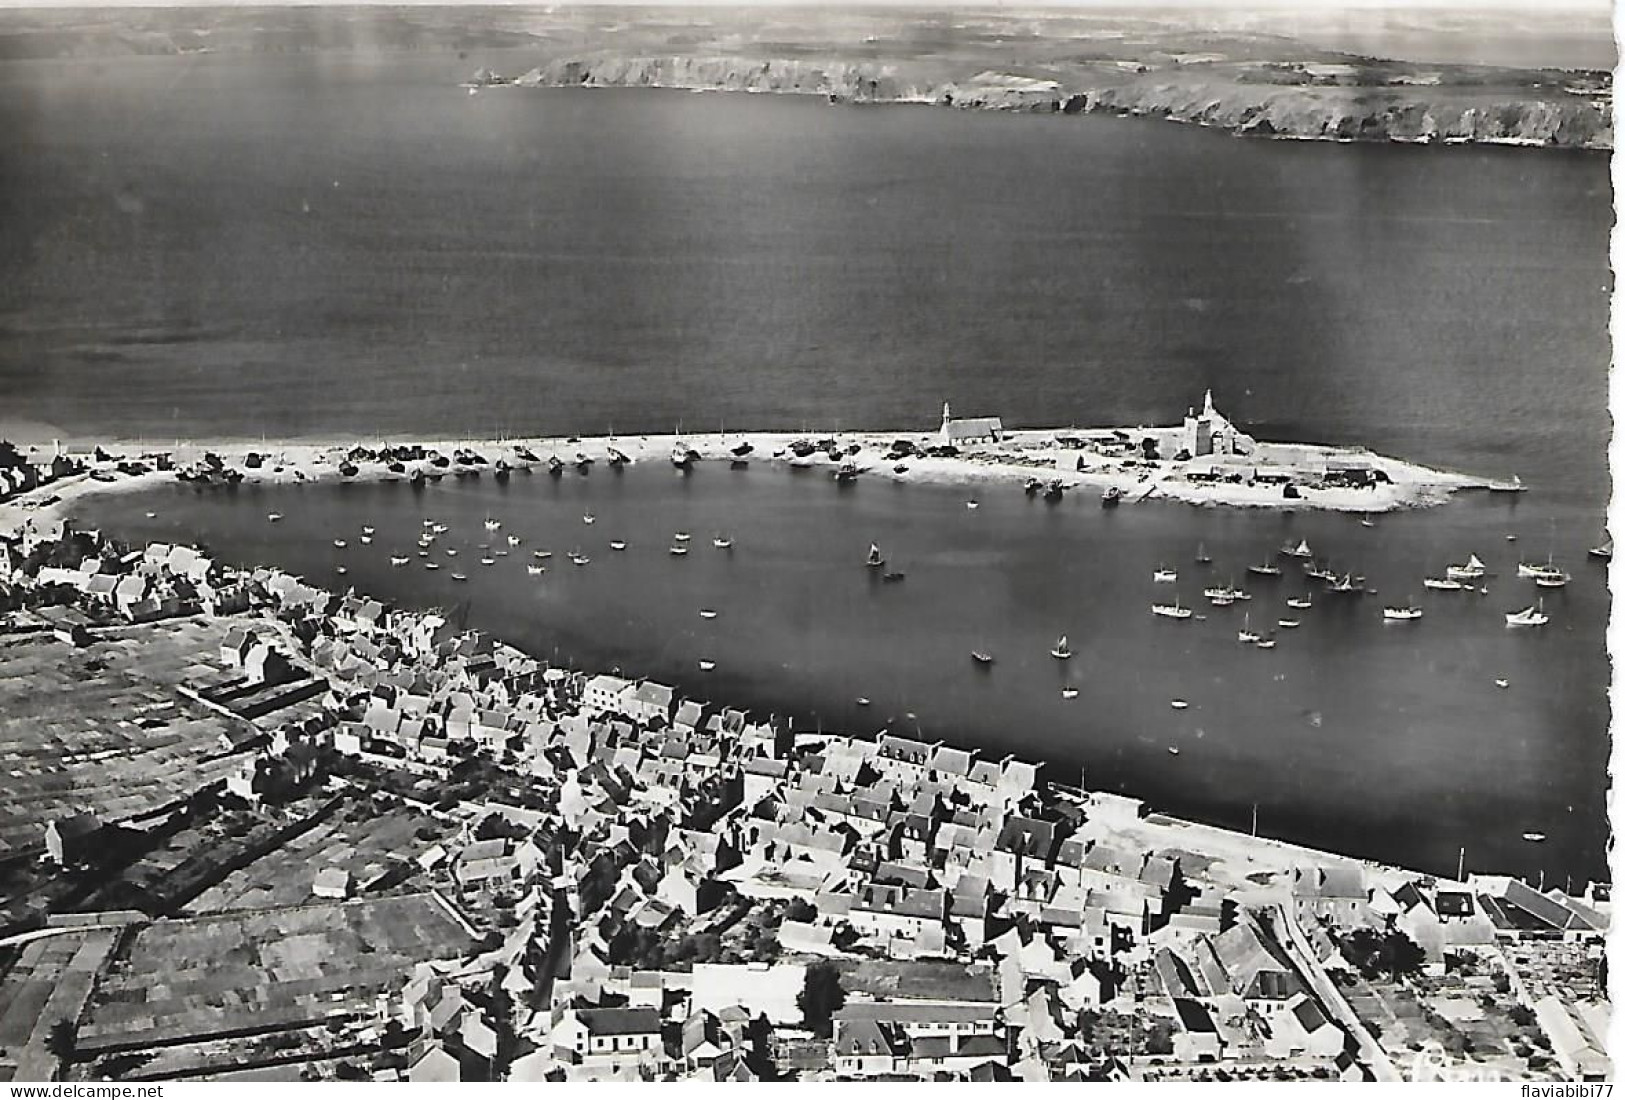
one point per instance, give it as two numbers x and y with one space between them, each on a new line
1301 550
1062 651
1111 498
1164 575
1264 569
1472 570
1409 613
1529 616
1442 584
1604 551
1515 485
1170 610
875 561
981 657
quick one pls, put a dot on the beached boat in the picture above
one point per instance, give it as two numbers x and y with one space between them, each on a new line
554 466
875 561
1111 498
1031 486
1472 570
1054 491
1529 616
1301 550
1442 584
1409 613
1164 575
1171 610
1062 651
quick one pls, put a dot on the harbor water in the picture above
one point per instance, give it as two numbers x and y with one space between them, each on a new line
297 246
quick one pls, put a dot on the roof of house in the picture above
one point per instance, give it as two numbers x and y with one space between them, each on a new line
619 1021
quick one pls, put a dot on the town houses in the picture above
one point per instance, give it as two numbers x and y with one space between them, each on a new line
657 886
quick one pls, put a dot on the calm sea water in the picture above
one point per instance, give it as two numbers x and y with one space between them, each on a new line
314 247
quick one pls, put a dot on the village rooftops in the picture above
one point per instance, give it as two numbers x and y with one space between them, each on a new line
619 1021
920 1012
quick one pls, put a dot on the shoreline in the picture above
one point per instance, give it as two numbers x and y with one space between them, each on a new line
1047 456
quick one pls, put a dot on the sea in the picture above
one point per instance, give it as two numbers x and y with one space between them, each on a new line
310 246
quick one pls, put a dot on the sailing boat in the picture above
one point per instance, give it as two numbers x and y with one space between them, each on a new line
1202 557
1299 551
1469 572
1529 616
875 560
1061 652
1605 551
1246 635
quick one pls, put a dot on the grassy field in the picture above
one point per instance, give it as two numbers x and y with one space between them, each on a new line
102 729
49 982
266 970
943 981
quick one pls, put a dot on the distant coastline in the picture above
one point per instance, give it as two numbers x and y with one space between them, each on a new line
1360 101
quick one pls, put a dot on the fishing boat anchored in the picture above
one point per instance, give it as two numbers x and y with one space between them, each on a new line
1246 635
1409 613
1529 616
1171 610
1471 571
1443 584
1264 569
1164 575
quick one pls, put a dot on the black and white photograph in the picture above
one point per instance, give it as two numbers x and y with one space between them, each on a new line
795 542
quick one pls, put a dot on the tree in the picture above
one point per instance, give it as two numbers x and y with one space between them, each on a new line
821 997
63 1039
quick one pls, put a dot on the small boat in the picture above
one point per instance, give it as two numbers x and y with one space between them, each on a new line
554 466
1178 704
678 550
1531 569
535 570
451 551
1054 491
1264 569
580 559
488 561
1502 683
980 657
681 536
1319 573
1300 603
875 561
1443 584
1604 552
722 543
423 553
1171 610
1515 485
1246 635
367 531
273 516
1301 550
513 540
617 544
682 457
1062 651
1287 624
1111 498
972 504
892 578
152 515
863 700
1409 613
541 555
1164 575
707 613
493 525
1534 838
1222 601
707 666
1472 570
1551 580
500 553
1173 750
399 560
1529 616
342 570
439 528
1069 693
366 540
431 565
1202 556
340 543
1264 643
588 518
459 577
1031 486
1345 585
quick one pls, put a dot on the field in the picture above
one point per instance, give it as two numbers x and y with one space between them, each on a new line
264 970
944 981
102 729
351 840
49 982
